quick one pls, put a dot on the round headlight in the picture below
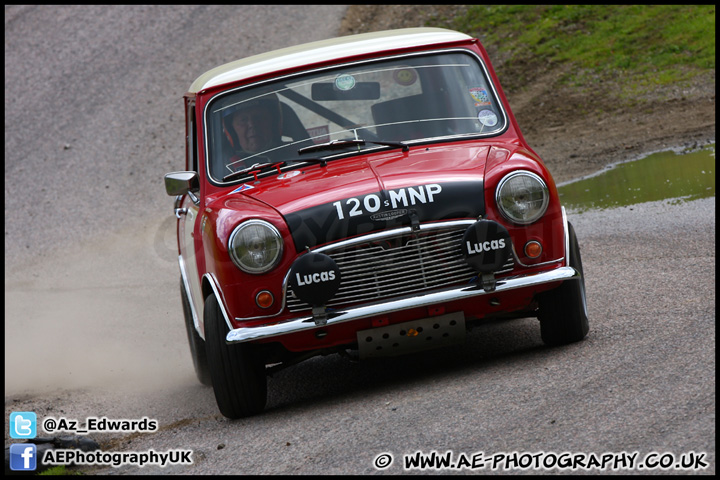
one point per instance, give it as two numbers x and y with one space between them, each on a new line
255 246
522 197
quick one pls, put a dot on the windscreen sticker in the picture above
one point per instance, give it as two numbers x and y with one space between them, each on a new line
345 82
319 134
488 118
480 96
405 76
385 209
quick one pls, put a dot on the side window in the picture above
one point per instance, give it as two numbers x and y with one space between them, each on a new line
191 134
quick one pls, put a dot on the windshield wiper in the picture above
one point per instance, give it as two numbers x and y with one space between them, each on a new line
321 161
256 166
262 166
340 144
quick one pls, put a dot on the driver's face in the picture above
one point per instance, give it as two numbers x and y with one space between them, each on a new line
254 128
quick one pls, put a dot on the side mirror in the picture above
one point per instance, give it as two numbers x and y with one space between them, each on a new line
180 183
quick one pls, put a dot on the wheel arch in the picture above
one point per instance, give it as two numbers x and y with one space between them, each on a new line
209 287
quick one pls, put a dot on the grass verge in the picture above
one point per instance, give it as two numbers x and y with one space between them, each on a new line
639 48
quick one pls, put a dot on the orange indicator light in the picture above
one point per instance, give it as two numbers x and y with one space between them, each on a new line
264 299
533 249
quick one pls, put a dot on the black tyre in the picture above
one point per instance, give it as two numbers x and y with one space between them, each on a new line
238 376
563 311
197 344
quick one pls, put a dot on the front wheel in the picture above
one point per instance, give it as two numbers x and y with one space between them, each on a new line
563 311
238 376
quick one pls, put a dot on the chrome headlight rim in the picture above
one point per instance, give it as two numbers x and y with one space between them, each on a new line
540 212
274 232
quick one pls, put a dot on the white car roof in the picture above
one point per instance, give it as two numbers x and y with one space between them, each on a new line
323 50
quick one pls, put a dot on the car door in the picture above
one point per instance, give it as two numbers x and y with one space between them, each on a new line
187 207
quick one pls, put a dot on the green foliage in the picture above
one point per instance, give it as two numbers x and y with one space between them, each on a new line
639 46
57 470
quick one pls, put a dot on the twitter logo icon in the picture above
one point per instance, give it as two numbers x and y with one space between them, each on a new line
23 425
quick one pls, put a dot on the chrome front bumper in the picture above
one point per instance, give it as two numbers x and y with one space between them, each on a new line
246 334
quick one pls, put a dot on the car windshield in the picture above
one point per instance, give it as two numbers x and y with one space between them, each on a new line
342 111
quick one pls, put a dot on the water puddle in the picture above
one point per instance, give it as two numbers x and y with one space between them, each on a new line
660 176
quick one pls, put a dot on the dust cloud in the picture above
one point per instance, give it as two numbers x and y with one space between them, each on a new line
101 314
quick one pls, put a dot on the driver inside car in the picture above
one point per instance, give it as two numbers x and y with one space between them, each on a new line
252 128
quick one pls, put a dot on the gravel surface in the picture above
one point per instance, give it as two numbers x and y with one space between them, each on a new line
93 120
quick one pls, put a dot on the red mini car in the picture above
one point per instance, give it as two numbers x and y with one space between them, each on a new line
367 195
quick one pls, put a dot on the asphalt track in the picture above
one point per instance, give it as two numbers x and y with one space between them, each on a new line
93 323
